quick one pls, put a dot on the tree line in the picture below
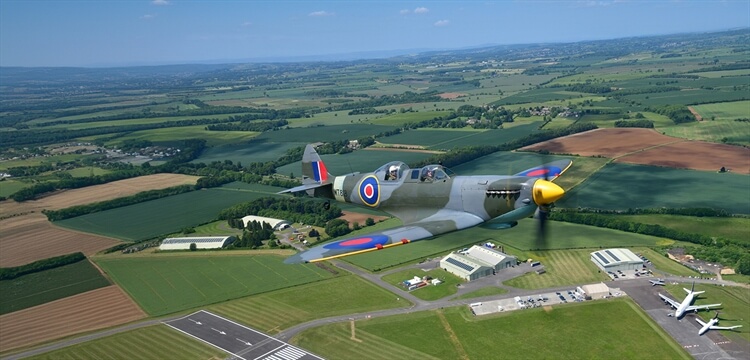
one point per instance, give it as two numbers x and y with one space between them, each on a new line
296 210
10 273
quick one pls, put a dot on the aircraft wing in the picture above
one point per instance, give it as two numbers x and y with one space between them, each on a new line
700 322
701 307
674 304
442 222
725 327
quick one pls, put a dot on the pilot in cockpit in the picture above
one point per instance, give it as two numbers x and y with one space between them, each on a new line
392 173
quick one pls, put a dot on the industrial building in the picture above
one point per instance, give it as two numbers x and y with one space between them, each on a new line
476 262
276 224
611 260
201 242
595 291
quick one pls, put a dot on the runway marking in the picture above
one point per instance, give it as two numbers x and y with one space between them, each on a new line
690 346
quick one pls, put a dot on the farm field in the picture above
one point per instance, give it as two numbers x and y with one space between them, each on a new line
696 155
171 135
522 237
153 342
654 187
42 287
720 130
166 284
581 330
96 309
166 215
20 240
274 311
731 228
247 152
609 143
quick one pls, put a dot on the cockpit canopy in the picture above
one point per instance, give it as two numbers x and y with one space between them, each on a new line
392 171
435 172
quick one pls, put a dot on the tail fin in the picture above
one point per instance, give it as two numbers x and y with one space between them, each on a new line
313 168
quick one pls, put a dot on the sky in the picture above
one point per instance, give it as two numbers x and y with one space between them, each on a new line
97 33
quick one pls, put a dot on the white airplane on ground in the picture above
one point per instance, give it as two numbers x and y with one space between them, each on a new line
710 325
657 282
681 308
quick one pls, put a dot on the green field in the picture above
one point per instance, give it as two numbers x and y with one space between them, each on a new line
167 215
735 301
153 342
9 187
247 152
485 291
166 284
575 331
88 171
319 132
170 135
623 186
442 139
45 286
563 267
522 237
737 228
429 292
275 311
665 264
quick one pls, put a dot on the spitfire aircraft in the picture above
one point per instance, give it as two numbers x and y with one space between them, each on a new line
430 201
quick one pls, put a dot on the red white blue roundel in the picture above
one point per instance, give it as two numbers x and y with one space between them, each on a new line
369 191
366 242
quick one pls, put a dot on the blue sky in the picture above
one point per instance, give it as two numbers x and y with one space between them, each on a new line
145 32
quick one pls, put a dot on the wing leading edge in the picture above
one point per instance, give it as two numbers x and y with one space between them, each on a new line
443 222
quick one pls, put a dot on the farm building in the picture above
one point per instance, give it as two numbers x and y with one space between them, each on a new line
476 262
595 291
616 259
201 242
276 224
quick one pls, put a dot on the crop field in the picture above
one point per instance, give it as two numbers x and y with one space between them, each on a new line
139 121
429 292
687 97
96 309
654 187
538 95
247 152
428 137
361 160
315 133
398 119
153 342
167 135
523 237
166 284
563 267
609 143
581 330
167 215
45 286
734 304
696 155
731 228
10 187
715 131
275 311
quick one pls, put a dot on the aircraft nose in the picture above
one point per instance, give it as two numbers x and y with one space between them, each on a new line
546 192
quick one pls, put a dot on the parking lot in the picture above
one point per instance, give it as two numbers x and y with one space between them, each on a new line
526 302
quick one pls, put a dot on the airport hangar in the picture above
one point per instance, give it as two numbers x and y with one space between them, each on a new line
201 242
611 260
276 224
476 262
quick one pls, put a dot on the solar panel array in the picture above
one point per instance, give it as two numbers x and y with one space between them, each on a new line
612 255
464 266
602 258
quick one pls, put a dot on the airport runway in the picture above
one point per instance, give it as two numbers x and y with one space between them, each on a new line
240 341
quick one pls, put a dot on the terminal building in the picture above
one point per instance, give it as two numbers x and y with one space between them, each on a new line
476 262
612 260
201 242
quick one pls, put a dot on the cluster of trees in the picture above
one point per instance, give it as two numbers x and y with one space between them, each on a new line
337 227
635 123
293 209
395 99
254 235
73 211
370 110
677 113
259 126
41 265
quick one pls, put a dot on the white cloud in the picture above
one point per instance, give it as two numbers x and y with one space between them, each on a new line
404 11
421 10
148 17
247 24
320 13
442 23
159 2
